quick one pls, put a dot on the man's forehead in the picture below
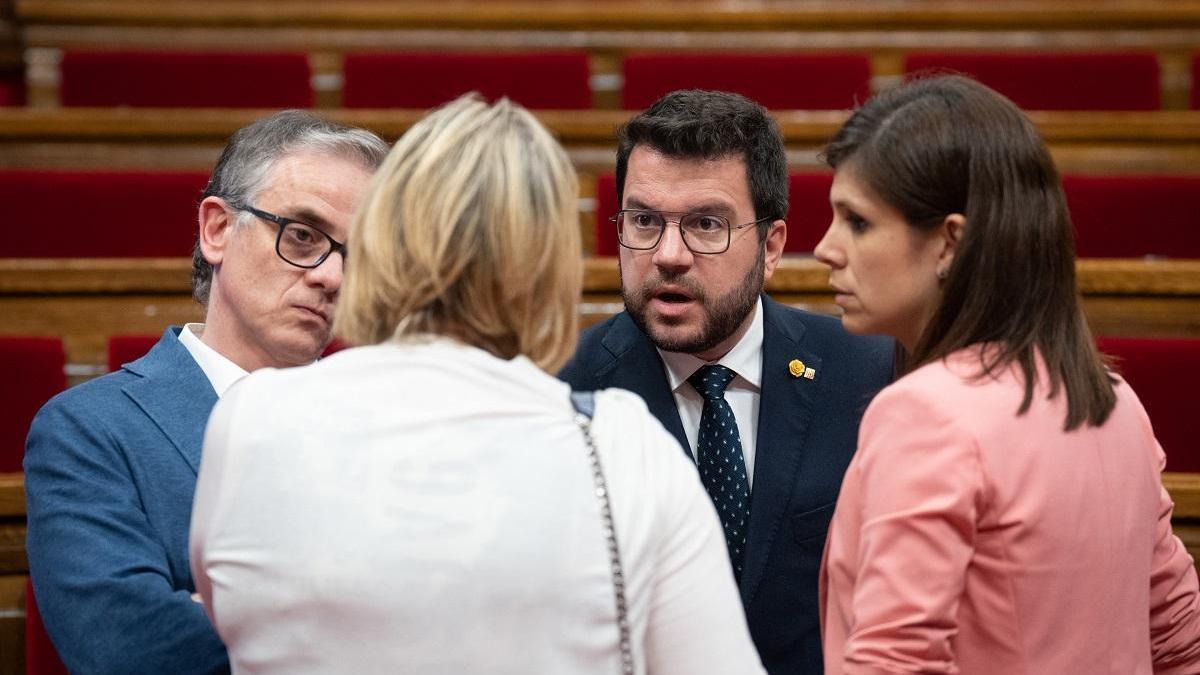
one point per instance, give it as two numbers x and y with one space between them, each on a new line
650 153
653 176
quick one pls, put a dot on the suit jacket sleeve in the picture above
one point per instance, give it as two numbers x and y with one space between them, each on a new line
921 483
100 571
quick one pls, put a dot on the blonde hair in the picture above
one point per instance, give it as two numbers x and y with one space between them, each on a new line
469 230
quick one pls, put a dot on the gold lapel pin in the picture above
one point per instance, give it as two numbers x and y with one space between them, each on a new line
796 368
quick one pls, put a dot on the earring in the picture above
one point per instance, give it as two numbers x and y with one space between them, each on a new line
942 273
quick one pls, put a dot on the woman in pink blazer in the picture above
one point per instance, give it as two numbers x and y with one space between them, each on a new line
1004 512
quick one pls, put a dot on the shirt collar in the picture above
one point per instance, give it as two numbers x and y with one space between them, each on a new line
221 372
745 358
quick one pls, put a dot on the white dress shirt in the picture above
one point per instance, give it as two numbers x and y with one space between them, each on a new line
743 393
430 508
220 371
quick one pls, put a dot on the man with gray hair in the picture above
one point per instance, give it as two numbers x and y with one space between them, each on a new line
110 465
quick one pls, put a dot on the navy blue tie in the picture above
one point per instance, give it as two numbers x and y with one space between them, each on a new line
719 457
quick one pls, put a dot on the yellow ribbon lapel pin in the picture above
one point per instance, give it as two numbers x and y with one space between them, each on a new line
797 368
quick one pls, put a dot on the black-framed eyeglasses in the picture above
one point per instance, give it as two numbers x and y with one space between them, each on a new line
298 243
642 229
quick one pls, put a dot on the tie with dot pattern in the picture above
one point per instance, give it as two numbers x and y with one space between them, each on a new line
719 457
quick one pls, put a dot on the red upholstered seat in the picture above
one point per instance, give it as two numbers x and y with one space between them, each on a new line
1164 372
41 658
12 90
72 214
1196 82
123 349
1056 81
185 79
809 212
1135 216
538 80
606 207
33 369
777 81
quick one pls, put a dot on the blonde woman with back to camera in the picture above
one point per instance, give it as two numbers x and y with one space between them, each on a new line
428 502
1004 512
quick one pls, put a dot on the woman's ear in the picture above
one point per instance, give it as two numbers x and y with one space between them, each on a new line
216 223
950 232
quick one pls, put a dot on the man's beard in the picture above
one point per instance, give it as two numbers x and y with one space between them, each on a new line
722 316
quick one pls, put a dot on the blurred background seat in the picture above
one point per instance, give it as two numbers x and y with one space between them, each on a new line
118 214
1164 373
34 370
185 79
537 80
779 81
1135 216
1056 80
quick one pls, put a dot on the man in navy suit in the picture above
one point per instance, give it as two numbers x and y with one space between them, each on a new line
110 465
766 398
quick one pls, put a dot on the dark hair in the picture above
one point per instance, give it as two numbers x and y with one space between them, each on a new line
254 149
945 145
698 124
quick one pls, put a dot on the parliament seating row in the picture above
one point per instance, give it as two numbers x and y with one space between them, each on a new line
1161 370
1114 80
153 214
191 139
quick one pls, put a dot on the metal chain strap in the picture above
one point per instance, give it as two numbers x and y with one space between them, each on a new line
610 533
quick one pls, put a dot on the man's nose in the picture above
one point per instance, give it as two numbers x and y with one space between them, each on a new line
672 251
328 275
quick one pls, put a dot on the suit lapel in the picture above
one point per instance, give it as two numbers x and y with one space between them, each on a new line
784 415
636 366
175 394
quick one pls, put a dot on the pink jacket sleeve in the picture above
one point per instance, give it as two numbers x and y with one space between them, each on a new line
1174 598
922 490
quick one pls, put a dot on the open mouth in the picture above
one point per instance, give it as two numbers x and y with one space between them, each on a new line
672 297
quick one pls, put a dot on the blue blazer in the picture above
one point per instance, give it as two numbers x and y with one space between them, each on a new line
110 470
807 433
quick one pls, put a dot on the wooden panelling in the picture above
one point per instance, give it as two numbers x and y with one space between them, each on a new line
1082 142
87 300
574 15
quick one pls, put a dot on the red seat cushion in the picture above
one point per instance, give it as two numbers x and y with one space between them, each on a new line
73 214
186 80
777 81
1135 216
1196 82
537 80
1056 81
41 658
12 90
809 213
33 369
1163 372
606 207
123 349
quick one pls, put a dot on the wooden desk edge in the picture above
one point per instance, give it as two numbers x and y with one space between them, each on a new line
795 275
